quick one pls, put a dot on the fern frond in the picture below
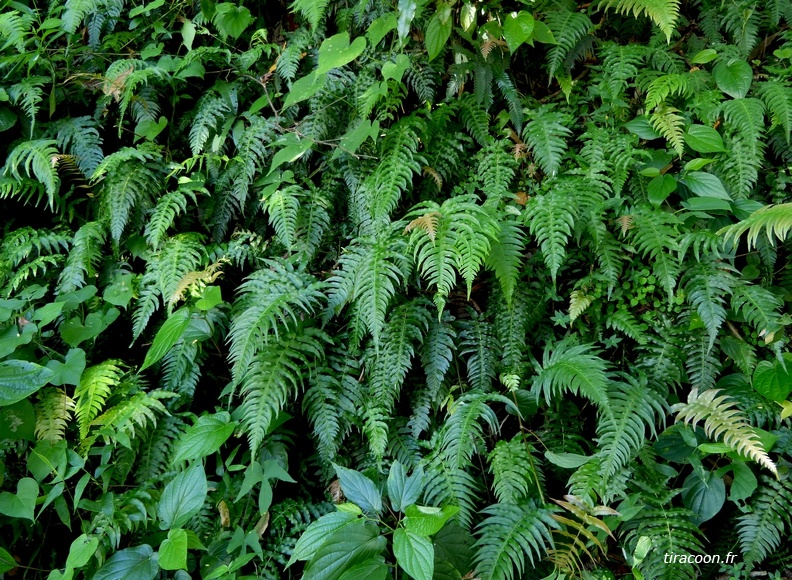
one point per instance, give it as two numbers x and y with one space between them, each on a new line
656 238
670 125
569 29
762 529
436 353
778 98
53 413
706 288
496 169
759 307
272 375
75 12
545 134
28 94
575 368
132 416
478 341
515 476
475 119
744 117
79 136
14 28
511 538
271 300
93 391
664 13
155 449
162 217
454 236
282 207
775 219
551 220
722 418
212 110
38 158
82 262
312 10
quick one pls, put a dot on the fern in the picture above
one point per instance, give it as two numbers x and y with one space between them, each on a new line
656 238
759 307
761 530
551 221
512 537
515 476
270 302
569 29
80 137
670 125
449 238
706 287
778 99
775 219
721 418
664 13
575 368
312 10
83 258
212 109
75 12
28 94
53 413
38 158
282 207
91 394
477 340
162 217
436 353
545 135
14 27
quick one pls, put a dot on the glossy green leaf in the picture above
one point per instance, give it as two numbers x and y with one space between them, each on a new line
182 498
706 185
18 421
344 549
138 563
173 550
437 35
19 379
704 139
204 438
169 334
772 381
316 534
733 77
359 489
517 29
337 51
414 554
704 497
21 504
81 551
660 188
371 569
7 561
304 88
427 521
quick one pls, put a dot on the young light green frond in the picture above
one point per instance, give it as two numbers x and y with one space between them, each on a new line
273 376
212 110
312 10
762 530
28 94
96 385
53 413
574 368
515 473
36 158
271 300
86 252
634 410
664 13
14 28
545 135
773 220
132 416
722 418
496 170
550 220
739 166
666 86
670 125
512 539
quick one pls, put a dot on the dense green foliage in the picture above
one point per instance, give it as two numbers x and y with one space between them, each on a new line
506 282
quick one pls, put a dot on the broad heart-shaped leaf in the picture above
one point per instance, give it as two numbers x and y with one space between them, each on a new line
771 380
19 379
211 298
336 51
706 185
704 497
232 20
173 550
316 534
733 77
371 569
414 553
138 563
359 489
453 544
744 482
305 88
70 370
660 188
703 139
426 521
182 497
343 549
205 437
517 28
168 335
81 551
23 503
437 34
7 561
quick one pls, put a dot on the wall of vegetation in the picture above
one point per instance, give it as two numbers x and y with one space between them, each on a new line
385 289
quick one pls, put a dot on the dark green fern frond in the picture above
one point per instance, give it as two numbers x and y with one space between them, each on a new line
80 137
545 134
575 368
762 529
478 343
550 220
707 286
512 539
656 238
569 29
83 258
664 13
759 307
437 353
775 219
778 98
515 473
36 158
